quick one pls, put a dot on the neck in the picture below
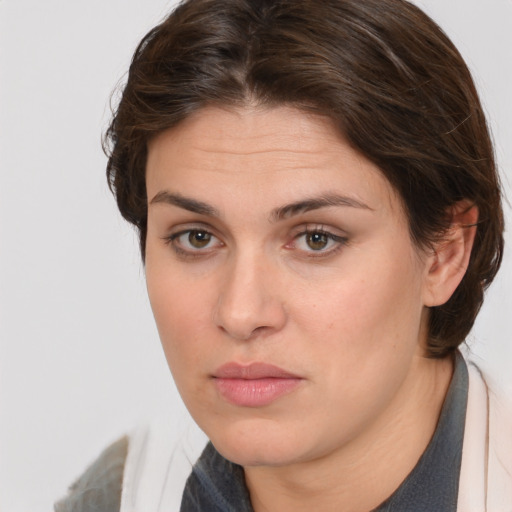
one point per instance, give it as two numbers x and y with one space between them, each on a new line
370 467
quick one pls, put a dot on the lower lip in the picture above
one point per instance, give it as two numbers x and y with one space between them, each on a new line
255 392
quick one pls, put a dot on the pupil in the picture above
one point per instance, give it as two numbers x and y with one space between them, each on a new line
199 239
317 241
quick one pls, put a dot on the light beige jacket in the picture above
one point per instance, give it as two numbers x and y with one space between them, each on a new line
486 473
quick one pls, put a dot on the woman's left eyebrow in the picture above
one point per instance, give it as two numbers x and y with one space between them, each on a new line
315 203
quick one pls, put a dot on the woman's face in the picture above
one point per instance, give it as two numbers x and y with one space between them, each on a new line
286 289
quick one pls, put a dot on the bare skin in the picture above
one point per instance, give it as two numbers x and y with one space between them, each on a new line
271 240
366 472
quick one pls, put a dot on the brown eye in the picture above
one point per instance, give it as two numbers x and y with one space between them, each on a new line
199 239
317 241
194 243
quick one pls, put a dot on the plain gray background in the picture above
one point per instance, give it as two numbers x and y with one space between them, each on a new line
80 360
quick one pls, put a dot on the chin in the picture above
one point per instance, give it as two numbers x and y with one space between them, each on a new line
253 455
259 444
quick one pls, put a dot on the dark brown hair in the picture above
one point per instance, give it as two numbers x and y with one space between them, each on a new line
383 71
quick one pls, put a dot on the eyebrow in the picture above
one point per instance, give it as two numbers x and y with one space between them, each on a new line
315 203
280 213
187 203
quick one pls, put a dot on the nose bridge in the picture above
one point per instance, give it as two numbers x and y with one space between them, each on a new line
249 300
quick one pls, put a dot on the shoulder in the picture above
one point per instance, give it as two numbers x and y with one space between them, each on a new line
144 471
487 451
100 486
160 458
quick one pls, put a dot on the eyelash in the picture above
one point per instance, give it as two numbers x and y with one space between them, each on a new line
338 241
172 240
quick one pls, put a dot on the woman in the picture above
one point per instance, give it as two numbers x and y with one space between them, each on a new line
319 214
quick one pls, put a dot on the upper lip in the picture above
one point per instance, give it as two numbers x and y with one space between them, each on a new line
252 371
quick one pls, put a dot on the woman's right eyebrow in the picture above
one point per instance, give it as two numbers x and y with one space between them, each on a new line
187 203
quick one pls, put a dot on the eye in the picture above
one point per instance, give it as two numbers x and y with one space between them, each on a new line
193 241
318 241
198 239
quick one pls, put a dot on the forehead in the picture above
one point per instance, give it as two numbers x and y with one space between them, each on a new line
262 152
249 130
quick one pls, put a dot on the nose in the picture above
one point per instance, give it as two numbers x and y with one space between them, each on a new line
249 303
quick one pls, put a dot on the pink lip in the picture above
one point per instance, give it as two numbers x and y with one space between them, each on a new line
255 385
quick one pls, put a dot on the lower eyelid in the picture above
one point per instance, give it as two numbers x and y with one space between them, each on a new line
332 251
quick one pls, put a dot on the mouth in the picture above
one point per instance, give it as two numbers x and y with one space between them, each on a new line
254 385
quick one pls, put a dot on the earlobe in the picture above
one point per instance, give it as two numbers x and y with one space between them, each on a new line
449 260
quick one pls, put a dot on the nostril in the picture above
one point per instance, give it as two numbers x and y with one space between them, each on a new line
248 304
246 327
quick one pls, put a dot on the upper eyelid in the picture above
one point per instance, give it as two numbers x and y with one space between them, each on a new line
188 230
181 232
312 227
329 234
192 226
294 231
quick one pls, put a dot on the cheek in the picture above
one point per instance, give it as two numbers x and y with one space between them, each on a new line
179 311
182 335
362 337
371 312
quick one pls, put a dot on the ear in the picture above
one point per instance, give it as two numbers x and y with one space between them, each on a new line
448 262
